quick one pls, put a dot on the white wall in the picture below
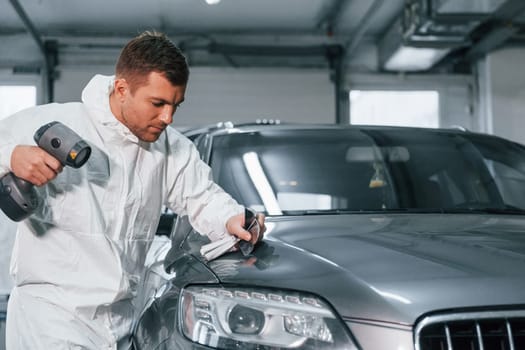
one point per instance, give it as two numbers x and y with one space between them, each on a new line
291 95
72 79
229 94
302 96
504 93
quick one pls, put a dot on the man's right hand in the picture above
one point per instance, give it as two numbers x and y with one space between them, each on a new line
35 165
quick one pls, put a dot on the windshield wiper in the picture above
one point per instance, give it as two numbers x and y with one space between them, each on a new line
466 210
359 211
317 212
510 210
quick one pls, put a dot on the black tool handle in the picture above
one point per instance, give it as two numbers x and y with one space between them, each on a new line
246 247
18 197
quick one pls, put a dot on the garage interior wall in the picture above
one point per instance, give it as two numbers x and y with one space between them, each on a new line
233 94
504 93
290 95
246 94
304 95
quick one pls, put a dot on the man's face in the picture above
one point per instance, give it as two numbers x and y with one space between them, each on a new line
149 109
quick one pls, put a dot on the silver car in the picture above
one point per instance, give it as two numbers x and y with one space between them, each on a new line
377 238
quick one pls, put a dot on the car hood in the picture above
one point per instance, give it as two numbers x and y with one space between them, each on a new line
390 268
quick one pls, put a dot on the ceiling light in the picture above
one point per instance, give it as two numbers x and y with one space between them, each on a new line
212 2
407 58
463 7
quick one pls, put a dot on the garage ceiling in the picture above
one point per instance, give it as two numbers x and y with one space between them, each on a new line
190 16
302 33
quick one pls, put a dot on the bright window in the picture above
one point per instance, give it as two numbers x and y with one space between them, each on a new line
397 108
15 98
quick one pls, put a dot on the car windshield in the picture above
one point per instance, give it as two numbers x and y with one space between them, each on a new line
320 171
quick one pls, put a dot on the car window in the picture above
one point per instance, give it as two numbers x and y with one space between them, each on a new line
506 164
283 171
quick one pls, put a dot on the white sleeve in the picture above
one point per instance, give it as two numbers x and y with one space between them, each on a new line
192 192
13 131
6 149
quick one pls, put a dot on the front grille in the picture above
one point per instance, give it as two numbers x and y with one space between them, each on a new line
490 330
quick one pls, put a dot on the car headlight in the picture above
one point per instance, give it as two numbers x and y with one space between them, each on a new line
247 318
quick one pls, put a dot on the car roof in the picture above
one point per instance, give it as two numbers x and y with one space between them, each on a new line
228 127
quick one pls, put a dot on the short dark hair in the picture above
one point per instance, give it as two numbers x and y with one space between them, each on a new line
151 52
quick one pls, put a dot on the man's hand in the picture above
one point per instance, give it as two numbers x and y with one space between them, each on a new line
235 226
35 165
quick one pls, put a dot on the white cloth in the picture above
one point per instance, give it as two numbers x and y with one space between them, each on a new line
7 239
78 261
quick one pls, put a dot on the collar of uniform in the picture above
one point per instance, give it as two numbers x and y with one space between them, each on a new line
96 96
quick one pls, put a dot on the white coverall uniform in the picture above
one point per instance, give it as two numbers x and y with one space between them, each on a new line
77 262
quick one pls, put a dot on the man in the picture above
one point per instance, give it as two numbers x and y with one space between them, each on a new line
78 260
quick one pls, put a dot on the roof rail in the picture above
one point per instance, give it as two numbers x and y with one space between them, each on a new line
266 121
224 125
